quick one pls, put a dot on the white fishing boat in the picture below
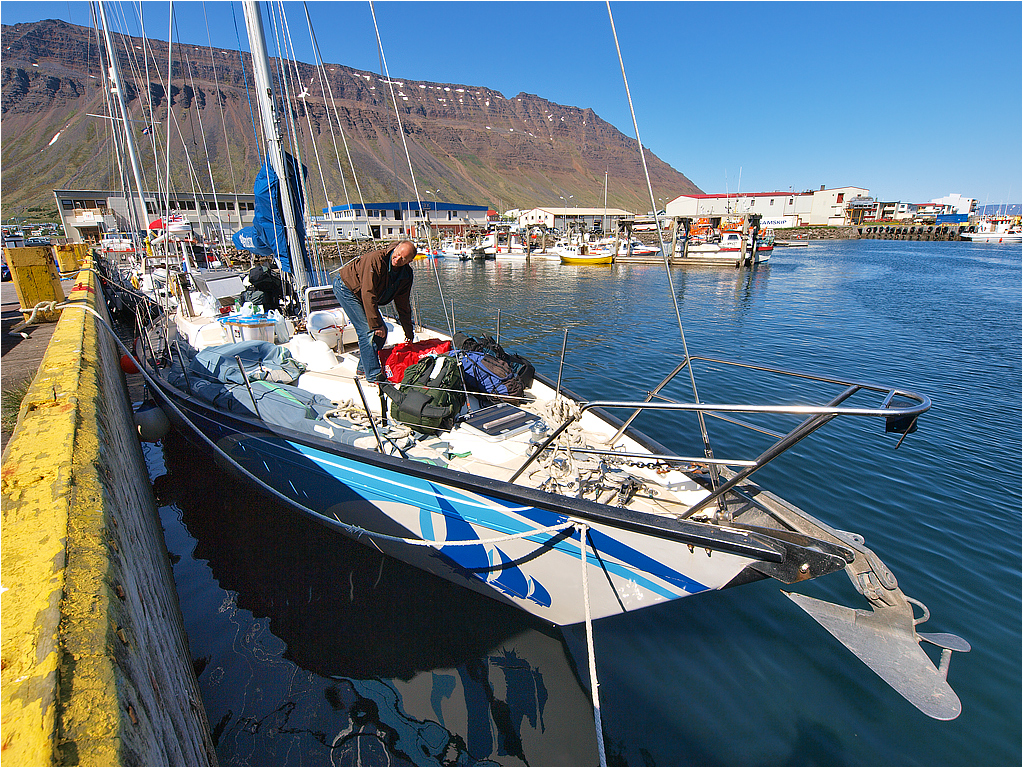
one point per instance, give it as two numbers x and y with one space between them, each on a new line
724 248
998 229
544 499
116 243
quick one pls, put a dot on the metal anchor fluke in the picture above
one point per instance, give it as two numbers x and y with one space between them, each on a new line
885 639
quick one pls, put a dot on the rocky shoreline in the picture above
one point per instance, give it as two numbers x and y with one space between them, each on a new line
817 233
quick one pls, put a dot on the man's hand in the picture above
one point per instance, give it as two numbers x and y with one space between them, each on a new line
381 333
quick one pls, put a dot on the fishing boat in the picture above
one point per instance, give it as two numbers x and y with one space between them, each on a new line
584 255
116 243
549 501
576 249
1003 229
731 242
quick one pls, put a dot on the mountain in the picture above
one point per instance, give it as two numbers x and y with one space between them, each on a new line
469 143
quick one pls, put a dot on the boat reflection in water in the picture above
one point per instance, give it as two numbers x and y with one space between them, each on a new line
310 648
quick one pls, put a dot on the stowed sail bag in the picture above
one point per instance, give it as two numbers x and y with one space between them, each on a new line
430 395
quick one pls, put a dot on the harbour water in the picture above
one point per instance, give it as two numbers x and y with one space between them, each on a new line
312 649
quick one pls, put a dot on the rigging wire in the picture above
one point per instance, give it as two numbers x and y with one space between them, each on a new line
209 166
337 117
664 254
153 135
306 190
223 119
248 93
325 81
115 138
429 241
289 128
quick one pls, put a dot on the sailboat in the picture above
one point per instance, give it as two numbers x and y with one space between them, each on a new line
547 501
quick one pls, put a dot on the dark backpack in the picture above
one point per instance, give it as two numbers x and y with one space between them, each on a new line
267 288
523 369
490 376
430 395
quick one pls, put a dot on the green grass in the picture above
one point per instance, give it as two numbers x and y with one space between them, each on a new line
10 403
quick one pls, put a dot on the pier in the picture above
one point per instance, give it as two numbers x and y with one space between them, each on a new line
96 668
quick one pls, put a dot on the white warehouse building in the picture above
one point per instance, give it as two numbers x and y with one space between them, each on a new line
825 207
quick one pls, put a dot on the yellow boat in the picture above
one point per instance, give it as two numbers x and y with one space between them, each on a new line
581 255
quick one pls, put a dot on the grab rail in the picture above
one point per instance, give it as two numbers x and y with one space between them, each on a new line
817 417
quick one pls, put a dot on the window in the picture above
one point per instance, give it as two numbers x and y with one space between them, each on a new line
772 201
841 197
67 205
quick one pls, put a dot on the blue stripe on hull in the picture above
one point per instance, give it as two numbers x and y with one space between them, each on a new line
321 481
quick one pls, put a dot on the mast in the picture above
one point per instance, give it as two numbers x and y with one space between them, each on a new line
272 133
129 137
604 223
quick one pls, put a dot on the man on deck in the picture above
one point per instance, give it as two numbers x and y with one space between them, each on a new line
365 284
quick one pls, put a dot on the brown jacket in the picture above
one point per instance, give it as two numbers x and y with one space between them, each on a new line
367 277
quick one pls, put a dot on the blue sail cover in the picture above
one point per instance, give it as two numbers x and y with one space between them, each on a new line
268 236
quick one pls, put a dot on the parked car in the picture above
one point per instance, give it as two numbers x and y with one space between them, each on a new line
34 242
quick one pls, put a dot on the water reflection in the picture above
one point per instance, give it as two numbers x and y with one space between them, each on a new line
313 648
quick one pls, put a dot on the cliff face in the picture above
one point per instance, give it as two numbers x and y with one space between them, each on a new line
469 142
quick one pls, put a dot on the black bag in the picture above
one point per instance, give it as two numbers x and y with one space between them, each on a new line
524 369
491 376
430 395
267 288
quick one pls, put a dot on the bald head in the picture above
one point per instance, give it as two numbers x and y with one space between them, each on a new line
403 253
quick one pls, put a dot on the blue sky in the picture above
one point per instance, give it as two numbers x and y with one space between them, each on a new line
911 100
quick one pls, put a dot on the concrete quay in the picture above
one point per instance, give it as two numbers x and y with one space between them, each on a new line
95 663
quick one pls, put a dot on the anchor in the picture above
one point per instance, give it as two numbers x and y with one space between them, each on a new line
885 637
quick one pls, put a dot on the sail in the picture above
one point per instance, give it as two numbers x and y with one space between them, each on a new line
267 236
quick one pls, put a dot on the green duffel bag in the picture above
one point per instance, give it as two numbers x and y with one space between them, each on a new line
430 395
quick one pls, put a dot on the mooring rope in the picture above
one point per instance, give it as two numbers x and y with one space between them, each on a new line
591 655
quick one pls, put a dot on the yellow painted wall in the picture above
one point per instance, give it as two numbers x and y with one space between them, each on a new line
96 669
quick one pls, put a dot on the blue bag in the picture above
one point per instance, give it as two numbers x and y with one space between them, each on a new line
490 376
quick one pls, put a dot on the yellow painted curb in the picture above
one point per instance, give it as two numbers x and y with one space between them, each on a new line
95 666
37 493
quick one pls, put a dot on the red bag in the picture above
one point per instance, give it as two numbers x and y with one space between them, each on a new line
394 360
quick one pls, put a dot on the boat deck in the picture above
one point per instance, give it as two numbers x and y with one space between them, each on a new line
467 447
